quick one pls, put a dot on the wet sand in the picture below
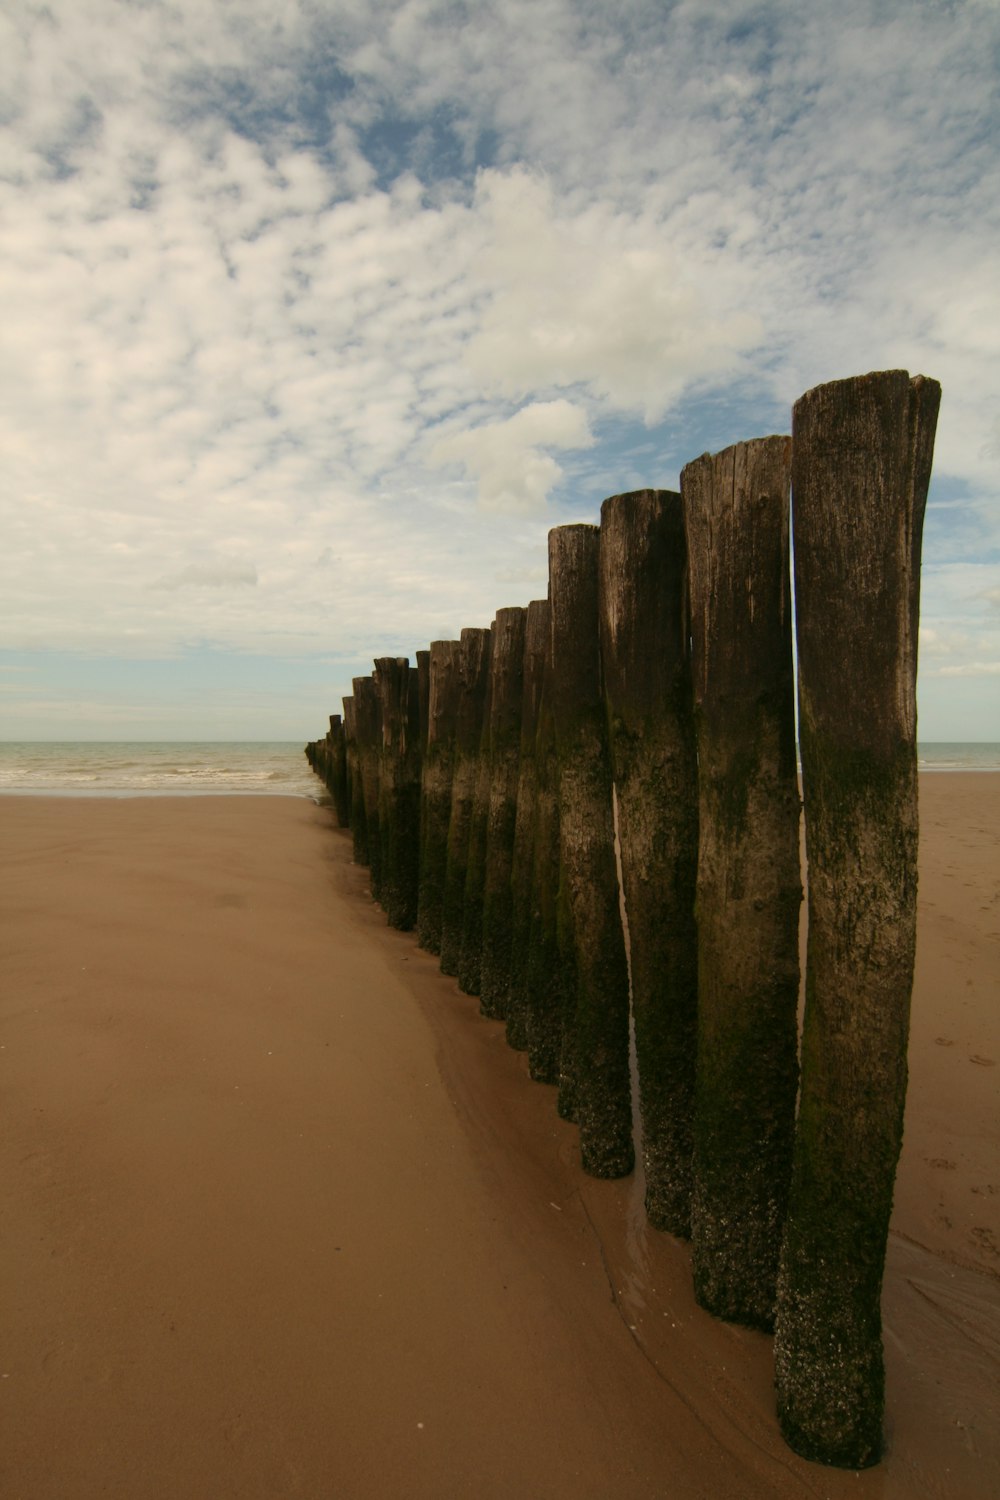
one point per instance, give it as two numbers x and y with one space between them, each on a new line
283 1216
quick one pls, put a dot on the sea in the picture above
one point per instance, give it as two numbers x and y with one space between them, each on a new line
149 768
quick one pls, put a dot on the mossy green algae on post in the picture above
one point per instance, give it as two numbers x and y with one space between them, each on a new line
862 454
591 939
749 880
645 656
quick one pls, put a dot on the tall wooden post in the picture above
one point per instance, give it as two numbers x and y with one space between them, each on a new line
468 971
474 663
423 680
336 773
861 469
645 653
549 976
359 822
536 637
436 777
368 729
506 693
591 936
749 881
399 789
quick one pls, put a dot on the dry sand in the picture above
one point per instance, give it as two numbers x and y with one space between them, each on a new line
282 1216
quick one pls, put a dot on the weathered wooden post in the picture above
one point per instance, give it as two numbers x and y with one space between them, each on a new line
336 771
862 452
468 971
536 638
423 671
399 789
356 795
645 653
368 731
359 823
749 881
444 685
474 664
592 942
549 975
506 693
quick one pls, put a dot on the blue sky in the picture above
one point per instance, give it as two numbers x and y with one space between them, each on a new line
317 317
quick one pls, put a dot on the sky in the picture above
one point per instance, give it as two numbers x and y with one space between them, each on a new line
317 316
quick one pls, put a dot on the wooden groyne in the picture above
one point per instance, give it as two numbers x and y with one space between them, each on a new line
642 718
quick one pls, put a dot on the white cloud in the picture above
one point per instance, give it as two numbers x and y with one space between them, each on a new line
220 574
508 459
595 298
969 669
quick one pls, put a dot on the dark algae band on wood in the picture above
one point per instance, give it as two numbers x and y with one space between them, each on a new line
749 884
656 680
646 663
860 474
595 1063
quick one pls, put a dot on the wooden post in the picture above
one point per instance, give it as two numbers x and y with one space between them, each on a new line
506 693
645 653
399 789
359 823
468 972
862 452
590 929
423 679
548 979
436 777
536 638
474 663
368 730
336 771
749 881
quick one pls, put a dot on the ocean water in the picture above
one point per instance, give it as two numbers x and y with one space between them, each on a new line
157 769
948 755
172 768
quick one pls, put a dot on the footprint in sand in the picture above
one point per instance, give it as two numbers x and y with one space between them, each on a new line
984 1062
943 1041
939 1161
984 1239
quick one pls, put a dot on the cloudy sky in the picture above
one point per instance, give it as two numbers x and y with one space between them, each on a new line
318 315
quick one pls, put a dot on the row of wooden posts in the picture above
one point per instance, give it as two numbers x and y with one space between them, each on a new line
655 686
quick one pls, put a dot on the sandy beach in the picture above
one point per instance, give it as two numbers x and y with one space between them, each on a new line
283 1216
